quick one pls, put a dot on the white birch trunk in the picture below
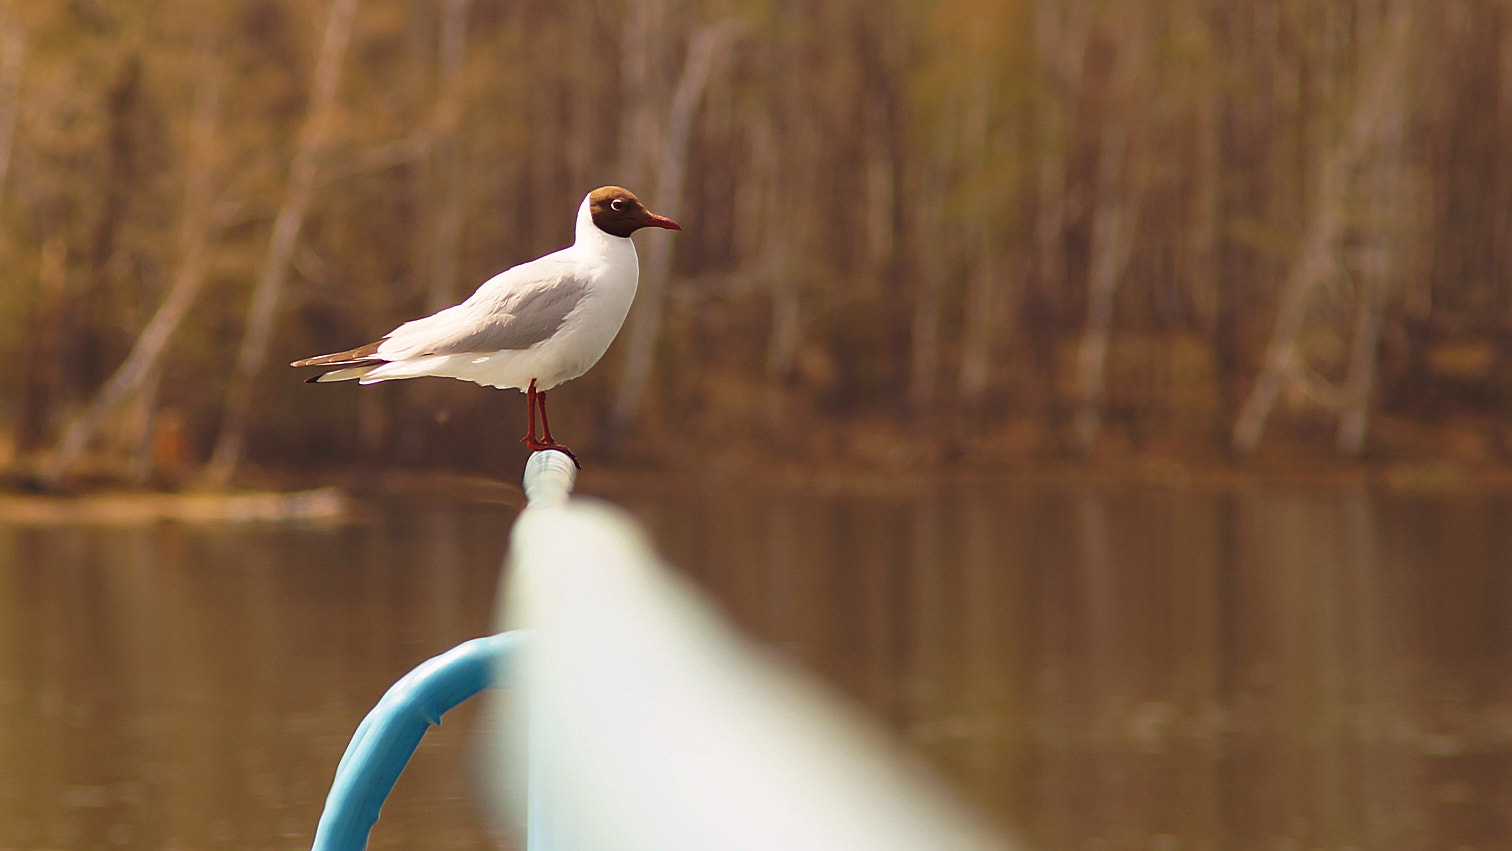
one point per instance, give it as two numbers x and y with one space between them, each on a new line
1115 216
1318 260
928 239
1390 220
707 48
982 322
286 226
12 61
446 231
197 224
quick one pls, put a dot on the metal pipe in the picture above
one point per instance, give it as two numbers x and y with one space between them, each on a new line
549 477
388 736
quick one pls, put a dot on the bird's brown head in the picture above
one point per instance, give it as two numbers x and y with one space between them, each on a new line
618 212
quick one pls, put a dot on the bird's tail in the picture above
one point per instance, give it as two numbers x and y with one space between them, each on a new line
346 374
354 363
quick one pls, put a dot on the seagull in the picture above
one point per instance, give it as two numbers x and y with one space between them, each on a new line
530 327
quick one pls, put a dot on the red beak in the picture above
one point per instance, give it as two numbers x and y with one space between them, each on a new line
662 222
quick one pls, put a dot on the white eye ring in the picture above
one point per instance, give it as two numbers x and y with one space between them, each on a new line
617 204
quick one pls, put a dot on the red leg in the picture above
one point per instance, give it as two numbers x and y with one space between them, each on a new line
537 399
545 425
530 410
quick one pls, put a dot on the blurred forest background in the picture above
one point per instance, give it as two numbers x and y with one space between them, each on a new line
982 229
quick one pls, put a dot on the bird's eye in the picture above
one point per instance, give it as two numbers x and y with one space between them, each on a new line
617 204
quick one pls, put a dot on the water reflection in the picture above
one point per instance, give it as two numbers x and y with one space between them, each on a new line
191 686
1129 667
1154 668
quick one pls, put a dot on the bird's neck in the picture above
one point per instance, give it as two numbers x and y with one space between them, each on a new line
590 238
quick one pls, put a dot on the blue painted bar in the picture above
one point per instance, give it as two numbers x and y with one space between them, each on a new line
388 736
386 739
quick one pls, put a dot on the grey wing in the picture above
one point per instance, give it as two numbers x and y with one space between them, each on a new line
492 321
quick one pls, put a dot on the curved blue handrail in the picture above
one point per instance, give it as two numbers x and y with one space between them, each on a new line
388 736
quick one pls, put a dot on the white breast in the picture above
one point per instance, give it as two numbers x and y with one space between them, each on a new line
588 330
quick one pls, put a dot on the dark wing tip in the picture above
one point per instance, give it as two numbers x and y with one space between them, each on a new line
347 358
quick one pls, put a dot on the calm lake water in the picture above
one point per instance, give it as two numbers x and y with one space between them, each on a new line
1100 667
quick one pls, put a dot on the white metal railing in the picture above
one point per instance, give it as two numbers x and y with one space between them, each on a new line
549 477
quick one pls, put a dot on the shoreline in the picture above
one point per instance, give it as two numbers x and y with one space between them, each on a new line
339 496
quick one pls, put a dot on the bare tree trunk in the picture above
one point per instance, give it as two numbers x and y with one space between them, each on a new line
446 233
643 39
197 223
929 236
286 226
882 167
1502 175
777 261
141 419
1315 262
982 322
1113 224
786 157
141 363
1355 398
442 195
1115 216
706 48
984 325
777 258
1207 208
1062 32
786 331
12 60
42 364
1377 264
924 262
1318 259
